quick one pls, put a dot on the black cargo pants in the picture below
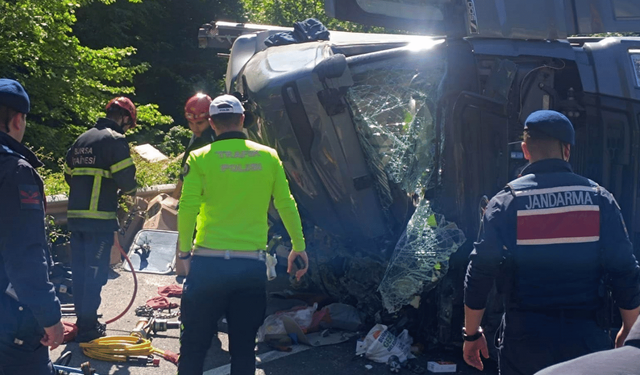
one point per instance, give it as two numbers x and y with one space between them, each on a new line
533 341
90 255
235 288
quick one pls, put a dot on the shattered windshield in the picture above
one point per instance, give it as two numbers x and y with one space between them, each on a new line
393 105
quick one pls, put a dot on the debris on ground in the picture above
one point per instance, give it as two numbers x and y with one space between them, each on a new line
380 345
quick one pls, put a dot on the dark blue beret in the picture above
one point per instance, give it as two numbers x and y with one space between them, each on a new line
12 95
552 123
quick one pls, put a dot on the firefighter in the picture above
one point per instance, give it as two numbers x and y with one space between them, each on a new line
98 167
29 307
196 111
551 235
228 186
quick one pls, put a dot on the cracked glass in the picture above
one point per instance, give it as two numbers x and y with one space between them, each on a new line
393 105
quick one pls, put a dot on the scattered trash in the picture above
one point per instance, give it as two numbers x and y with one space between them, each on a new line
379 345
368 367
394 364
441 366
341 316
161 303
273 323
172 290
326 337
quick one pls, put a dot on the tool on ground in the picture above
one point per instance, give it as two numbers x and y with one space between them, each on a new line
61 366
145 326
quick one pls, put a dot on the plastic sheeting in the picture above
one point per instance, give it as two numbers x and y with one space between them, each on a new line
421 257
393 107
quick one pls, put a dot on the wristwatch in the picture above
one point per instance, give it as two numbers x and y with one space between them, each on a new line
184 256
473 337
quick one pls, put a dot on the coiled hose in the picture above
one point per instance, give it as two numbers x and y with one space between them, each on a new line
123 348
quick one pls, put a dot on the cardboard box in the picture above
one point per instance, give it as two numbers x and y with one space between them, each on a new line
441 366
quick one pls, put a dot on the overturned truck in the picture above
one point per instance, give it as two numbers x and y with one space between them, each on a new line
392 143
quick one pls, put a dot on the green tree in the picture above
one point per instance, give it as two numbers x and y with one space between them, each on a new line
68 82
286 12
165 35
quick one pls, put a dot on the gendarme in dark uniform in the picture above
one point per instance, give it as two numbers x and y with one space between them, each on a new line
28 301
550 236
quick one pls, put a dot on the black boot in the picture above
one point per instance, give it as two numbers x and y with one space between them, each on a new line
91 331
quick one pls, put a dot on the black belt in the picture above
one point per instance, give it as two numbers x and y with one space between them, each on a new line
562 313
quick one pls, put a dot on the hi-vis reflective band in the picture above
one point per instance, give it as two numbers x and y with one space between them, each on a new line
95 193
117 167
88 214
87 172
558 225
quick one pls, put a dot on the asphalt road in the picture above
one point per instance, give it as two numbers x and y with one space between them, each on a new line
335 360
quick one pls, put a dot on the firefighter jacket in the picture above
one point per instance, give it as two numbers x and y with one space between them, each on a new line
97 165
228 186
28 300
558 234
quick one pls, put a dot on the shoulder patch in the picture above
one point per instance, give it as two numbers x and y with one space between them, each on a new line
30 197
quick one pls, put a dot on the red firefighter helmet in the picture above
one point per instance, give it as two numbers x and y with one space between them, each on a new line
127 105
197 107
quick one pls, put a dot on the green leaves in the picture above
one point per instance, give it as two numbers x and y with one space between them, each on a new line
286 12
68 83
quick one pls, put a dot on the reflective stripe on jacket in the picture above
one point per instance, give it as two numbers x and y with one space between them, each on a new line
97 165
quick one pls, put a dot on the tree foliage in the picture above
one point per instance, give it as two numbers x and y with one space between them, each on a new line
165 35
68 82
286 12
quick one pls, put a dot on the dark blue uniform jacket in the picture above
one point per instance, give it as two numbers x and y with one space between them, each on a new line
97 165
561 233
621 361
195 143
23 243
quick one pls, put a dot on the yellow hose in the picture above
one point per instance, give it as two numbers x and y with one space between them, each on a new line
118 348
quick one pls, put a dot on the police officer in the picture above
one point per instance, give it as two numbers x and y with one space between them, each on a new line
227 187
97 165
29 307
551 235
196 111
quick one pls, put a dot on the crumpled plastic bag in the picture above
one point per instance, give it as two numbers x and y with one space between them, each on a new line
380 344
341 316
273 323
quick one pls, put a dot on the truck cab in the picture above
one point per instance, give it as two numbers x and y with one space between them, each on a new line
392 143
